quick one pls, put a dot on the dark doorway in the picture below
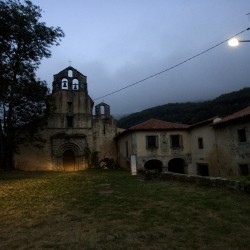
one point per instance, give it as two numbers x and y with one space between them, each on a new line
153 165
202 169
177 165
69 160
243 170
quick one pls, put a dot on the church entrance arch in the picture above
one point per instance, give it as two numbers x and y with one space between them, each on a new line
69 160
177 165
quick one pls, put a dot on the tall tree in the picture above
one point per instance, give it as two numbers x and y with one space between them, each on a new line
24 42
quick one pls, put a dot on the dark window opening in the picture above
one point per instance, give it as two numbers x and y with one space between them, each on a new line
104 128
70 121
200 142
243 170
176 141
202 169
126 149
242 135
70 107
152 142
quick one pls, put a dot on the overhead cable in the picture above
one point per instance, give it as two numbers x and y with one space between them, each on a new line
170 68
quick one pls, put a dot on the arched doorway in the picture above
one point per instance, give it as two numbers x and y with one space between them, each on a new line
69 160
153 165
177 165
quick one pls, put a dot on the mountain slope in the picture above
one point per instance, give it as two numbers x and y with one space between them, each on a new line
191 112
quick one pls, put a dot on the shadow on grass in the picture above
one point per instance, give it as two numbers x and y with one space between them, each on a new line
23 175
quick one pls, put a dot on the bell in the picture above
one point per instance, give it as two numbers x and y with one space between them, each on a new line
75 86
64 84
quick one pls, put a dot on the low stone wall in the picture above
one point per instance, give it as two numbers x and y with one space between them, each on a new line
199 180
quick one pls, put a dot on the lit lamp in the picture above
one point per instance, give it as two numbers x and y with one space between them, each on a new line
235 42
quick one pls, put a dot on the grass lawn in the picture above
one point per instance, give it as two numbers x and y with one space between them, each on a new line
110 209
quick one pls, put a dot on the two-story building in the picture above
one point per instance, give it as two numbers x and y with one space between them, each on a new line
157 145
215 147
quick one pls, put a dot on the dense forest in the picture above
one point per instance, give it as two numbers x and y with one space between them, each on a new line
191 112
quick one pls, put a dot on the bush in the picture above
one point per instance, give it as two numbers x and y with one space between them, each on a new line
108 163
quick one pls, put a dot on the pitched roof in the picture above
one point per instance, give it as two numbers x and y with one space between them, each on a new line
237 115
154 124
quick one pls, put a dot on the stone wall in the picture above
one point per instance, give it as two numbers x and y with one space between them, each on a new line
199 180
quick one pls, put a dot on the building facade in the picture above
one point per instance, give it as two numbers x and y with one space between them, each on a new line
232 135
72 133
215 147
157 145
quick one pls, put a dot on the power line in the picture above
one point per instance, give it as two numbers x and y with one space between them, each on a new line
170 68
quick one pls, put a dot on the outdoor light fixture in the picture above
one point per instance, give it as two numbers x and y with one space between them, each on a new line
235 42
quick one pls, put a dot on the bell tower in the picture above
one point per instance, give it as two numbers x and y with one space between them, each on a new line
73 105
70 121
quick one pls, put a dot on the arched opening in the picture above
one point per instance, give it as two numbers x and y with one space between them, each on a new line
69 160
102 110
75 84
70 73
64 83
153 165
177 165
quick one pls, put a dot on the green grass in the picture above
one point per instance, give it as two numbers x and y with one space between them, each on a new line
110 209
243 179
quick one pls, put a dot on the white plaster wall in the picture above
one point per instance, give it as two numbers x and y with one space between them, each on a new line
206 155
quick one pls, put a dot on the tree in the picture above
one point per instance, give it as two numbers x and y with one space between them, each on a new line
24 42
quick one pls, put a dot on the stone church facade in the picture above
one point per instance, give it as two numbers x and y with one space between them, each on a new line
72 133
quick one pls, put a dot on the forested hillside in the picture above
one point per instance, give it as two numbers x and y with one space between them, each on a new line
191 112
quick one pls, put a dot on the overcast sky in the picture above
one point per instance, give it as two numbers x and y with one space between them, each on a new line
118 42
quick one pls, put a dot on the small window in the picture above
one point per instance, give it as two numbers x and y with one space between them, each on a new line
152 141
243 170
200 142
104 128
242 135
126 145
176 141
70 121
70 107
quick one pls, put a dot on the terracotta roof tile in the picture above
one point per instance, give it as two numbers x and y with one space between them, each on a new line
240 114
158 125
